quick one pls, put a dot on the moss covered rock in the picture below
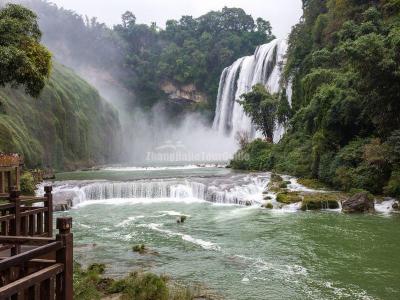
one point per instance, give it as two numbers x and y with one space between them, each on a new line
288 197
141 248
275 183
276 178
314 201
268 205
312 183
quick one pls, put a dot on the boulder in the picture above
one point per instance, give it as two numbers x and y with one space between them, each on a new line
267 205
395 206
359 203
248 203
181 219
62 205
276 178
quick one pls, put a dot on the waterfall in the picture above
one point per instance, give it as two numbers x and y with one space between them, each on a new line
264 67
249 192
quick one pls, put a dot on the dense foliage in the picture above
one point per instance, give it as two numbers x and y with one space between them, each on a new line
68 126
195 50
23 60
142 57
344 64
262 107
28 184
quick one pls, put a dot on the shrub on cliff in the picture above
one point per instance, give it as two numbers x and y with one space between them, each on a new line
393 186
28 185
254 156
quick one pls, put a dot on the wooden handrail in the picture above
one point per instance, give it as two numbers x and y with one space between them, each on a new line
28 255
23 200
7 217
6 239
33 198
7 206
34 211
30 280
18 218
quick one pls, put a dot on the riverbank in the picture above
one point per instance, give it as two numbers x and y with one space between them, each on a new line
358 167
91 284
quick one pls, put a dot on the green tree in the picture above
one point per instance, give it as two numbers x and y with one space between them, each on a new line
23 60
128 19
261 107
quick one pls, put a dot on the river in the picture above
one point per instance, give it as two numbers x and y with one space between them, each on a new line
242 252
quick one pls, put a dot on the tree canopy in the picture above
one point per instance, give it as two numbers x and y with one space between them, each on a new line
191 50
23 60
262 107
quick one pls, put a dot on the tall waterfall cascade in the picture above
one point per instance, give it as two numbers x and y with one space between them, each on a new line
264 67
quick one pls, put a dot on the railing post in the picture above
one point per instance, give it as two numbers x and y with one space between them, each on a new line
15 228
2 183
64 285
48 215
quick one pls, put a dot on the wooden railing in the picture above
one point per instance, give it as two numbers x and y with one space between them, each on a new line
33 264
42 272
20 216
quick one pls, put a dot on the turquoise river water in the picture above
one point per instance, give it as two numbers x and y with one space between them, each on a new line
242 252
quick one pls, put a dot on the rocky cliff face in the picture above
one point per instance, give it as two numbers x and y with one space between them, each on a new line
183 94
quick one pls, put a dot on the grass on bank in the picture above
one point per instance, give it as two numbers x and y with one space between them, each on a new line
90 284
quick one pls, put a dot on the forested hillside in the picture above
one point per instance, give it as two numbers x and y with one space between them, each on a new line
67 126
344 63
142 57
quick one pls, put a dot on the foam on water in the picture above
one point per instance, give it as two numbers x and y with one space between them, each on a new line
132 201
141 169
204 244
173 213
384 206
128 220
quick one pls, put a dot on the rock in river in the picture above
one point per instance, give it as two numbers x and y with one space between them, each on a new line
361 202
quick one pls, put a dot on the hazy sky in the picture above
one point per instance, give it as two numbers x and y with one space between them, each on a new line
282 14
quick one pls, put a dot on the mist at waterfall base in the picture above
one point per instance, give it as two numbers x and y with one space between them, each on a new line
146 135
153 137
